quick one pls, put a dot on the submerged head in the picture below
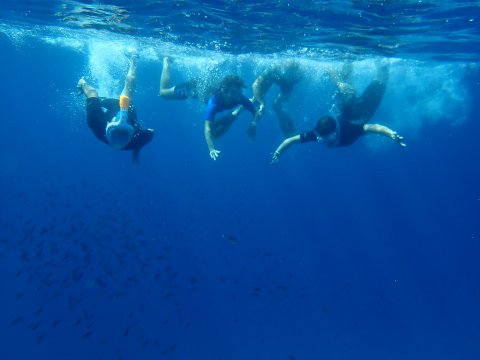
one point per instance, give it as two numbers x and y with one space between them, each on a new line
326 126
118 131
231 88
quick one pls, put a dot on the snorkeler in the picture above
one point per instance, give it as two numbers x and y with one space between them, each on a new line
114 121
227 96
285 75
354 113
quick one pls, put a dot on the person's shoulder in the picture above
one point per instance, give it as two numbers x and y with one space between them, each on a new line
213 99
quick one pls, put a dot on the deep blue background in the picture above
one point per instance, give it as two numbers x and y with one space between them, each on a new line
334 254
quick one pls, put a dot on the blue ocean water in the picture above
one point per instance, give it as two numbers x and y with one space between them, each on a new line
367 252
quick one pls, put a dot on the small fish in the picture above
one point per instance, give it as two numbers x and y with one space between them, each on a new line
231 239
55 323
34 326
17 320
40 338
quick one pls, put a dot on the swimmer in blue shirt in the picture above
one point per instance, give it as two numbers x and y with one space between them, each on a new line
227 96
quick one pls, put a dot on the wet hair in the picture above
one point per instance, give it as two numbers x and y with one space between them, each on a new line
232 81
325 125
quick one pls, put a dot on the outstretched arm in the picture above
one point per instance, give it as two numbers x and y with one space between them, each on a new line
385 131
287 143
214 154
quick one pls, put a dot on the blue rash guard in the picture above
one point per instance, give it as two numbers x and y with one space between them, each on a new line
216 105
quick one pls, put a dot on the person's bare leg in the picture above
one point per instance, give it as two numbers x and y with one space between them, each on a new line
284 119
166 90
131 79
88 90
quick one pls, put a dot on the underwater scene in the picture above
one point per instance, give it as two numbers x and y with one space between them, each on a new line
233 180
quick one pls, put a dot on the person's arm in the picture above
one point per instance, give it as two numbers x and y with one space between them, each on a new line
284 146
252 128
214 154
212 109
385 131
260 87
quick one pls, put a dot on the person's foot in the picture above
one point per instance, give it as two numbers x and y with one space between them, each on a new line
167 61
81 83
132 54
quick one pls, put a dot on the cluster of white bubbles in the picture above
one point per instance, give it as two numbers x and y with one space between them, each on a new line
425 94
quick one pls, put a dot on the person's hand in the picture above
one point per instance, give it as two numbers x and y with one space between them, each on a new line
275 158
398 139
252 130
214 154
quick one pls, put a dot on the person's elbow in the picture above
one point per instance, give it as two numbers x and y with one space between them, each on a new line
207 128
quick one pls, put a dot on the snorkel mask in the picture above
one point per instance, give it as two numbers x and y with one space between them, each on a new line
119 132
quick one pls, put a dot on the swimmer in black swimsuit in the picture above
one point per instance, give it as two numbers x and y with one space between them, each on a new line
355 112
103 116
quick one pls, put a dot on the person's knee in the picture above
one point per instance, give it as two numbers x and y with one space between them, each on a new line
165 93
130 78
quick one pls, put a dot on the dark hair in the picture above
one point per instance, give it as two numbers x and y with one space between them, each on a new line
325 125
232 80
